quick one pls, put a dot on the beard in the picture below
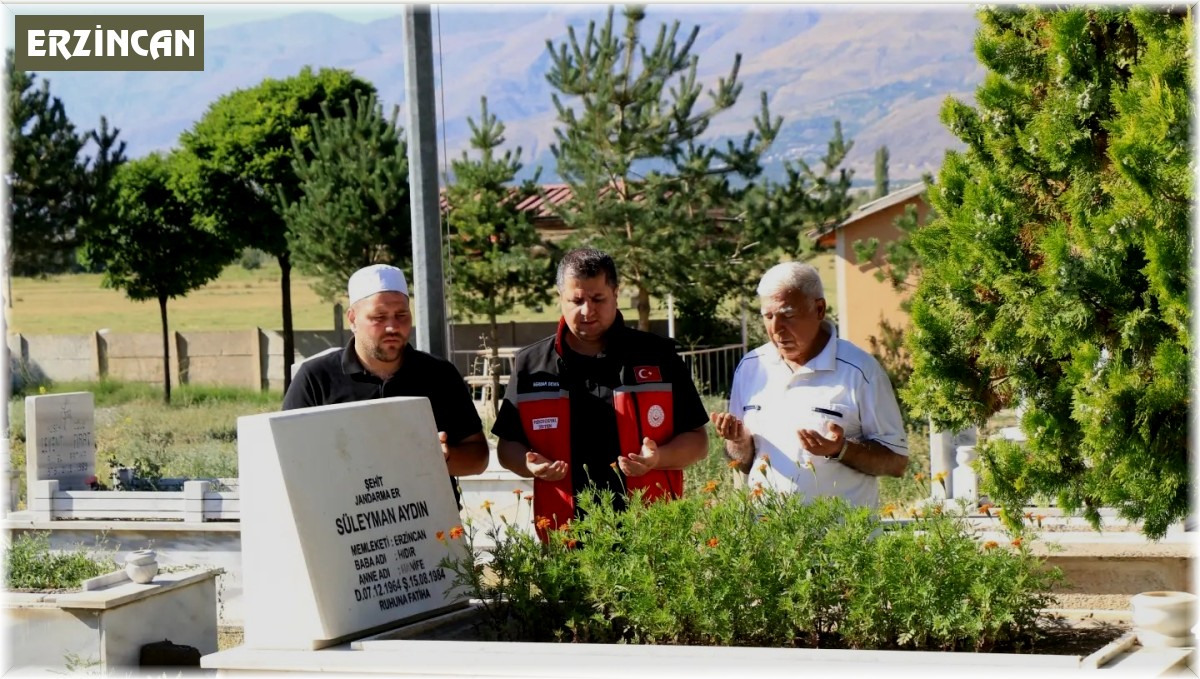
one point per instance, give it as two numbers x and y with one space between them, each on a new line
387 354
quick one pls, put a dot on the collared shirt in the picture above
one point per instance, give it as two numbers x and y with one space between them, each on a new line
842 384
339 377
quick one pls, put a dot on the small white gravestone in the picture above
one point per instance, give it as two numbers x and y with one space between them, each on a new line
60 440
340 510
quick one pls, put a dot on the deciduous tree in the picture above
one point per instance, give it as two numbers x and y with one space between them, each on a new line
153 250
243 175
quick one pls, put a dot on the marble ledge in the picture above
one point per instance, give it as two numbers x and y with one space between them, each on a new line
111 597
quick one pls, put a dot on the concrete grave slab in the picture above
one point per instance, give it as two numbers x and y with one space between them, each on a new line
340 510
60 439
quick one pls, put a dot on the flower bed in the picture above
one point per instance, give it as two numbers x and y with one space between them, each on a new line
758 569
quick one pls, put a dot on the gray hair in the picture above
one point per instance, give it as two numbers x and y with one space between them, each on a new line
788 276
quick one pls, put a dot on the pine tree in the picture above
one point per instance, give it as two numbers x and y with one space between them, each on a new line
646 189
881 172
1056 274
497 258
353 209
152 249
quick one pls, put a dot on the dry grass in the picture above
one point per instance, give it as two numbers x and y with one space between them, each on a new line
238 300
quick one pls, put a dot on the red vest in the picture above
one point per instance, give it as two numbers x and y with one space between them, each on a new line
644 409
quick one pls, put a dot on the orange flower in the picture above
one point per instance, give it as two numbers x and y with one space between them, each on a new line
456 532
765 457
762 467
918 477
487 505
733 464
529 498
1039 519
517 492
542 523
758 490
710 486
613 465
889 510
986 508
990 544
712 542
1028 516
572 543
1017 542
441 536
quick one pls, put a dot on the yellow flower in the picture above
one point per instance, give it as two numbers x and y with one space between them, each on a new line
889 510
940 477
762 467
42 389
487 505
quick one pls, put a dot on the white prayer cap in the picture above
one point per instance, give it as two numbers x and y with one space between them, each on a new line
374 279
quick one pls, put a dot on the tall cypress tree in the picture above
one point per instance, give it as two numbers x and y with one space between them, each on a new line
1057 271
497 258
881 171
353 209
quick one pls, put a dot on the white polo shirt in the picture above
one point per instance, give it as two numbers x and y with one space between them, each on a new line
842 384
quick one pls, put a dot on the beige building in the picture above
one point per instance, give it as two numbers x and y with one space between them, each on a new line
862 301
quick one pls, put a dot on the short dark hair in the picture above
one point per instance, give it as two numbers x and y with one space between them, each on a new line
587 263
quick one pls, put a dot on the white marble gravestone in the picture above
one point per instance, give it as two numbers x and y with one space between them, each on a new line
340 510
60 440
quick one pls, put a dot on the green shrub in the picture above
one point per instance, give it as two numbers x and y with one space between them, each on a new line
31 564
757 568
252 259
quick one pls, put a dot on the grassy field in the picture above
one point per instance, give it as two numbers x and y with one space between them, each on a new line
238 300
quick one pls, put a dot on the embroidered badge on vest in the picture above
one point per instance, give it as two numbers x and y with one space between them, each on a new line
647 373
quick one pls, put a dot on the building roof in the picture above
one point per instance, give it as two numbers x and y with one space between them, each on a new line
893 198
825 237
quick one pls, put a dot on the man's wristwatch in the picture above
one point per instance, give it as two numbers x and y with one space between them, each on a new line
841 453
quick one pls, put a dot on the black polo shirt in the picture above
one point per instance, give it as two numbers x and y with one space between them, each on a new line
339 377
590 381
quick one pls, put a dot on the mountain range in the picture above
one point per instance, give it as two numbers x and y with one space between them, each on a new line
882 70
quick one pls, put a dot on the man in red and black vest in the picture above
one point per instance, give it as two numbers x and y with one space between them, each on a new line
594 394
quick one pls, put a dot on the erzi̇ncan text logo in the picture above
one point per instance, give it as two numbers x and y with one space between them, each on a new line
119 42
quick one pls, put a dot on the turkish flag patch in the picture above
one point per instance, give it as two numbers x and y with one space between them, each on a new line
647 373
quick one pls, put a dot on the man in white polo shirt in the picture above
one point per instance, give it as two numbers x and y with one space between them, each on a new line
810 413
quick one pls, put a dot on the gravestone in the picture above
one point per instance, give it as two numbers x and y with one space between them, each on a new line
340 510
60 441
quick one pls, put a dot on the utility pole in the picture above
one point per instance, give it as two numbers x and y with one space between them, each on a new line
431 330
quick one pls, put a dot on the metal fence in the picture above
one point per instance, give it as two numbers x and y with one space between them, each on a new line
712 369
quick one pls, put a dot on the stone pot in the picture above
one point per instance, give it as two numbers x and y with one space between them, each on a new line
1164 619
141 566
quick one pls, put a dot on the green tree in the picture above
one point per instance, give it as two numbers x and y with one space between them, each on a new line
1057 271
498 258
646 189
242 174
153 250
55 190
881 171
353 209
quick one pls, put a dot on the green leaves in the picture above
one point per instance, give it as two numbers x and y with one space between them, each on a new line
353 205
1056 272
760 569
